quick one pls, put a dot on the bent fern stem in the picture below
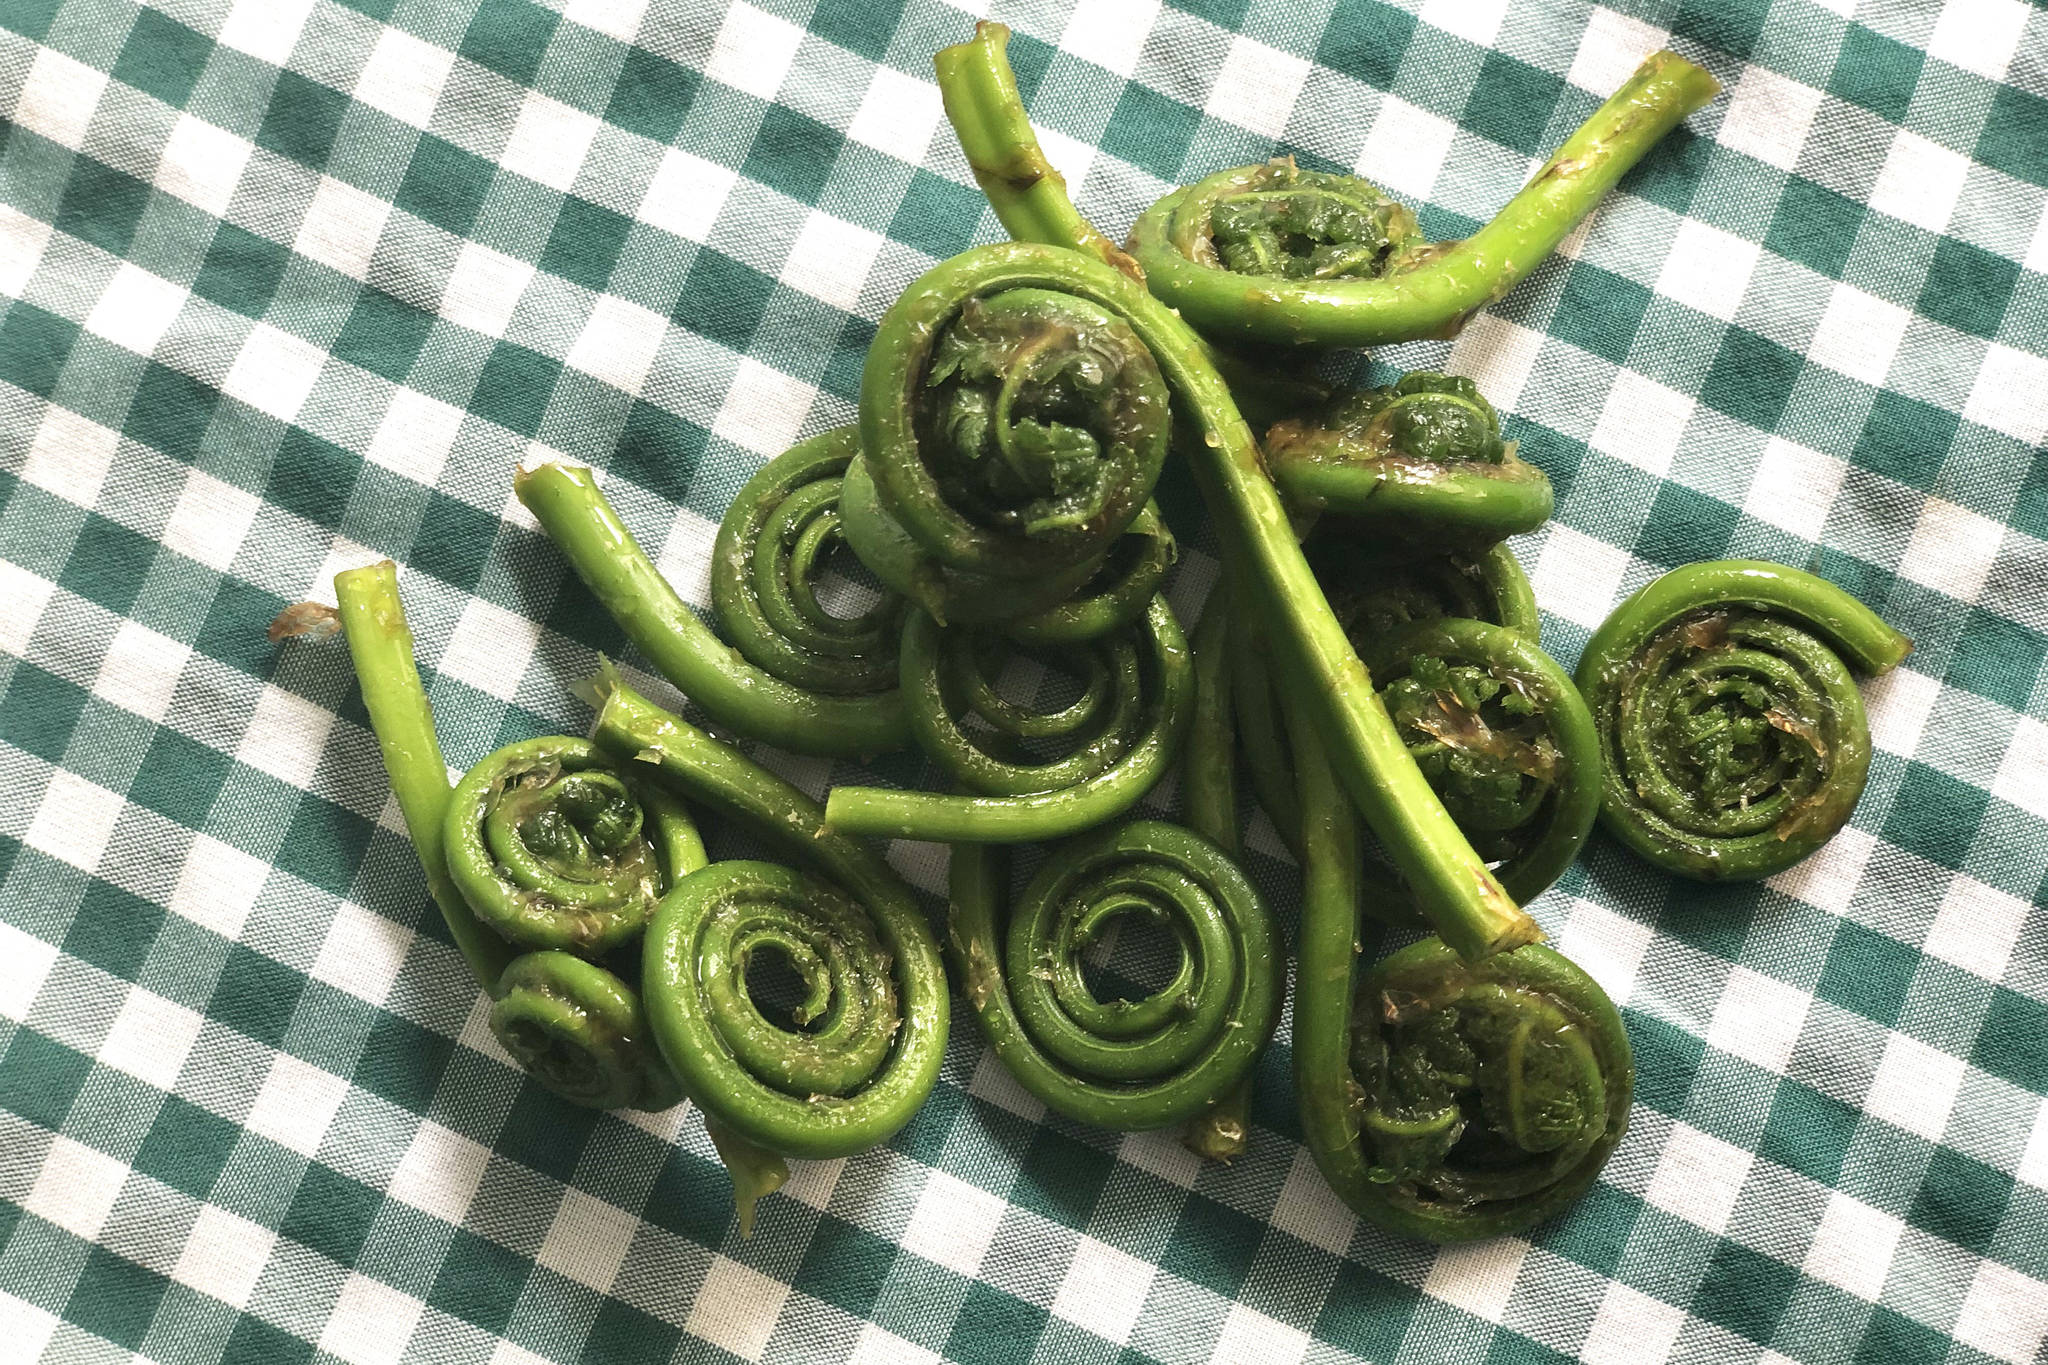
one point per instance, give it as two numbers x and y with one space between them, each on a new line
1119 1064
1732 738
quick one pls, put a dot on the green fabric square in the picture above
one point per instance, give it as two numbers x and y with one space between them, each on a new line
403 1062
331 1213
33 347
1961 1199
1814 226
692 1197
1744 1291
659 451
1751 379
1151 131
1892 1338
1213 1245
2011 139
1730 25
844 1266
651 95
1225 14
39 710
255 995
179 778
1365 1312
863 26
1511 103
578 616
994 1328
171 411
1667 1059
924 1138
723 299
1905 439
1997 658
1061 1178
115 1298
241 270
1670 172
1968 287
1600 311
510 37
792 153
514 389
30 18
113 929
108 564
444 184
1867 972
623 1335
1512 1348
1808 1131
548 1133
937 216
585 243
162 57
383 334
2013 1043
233 631
1876 72
454 541
40 1077
849 355
1594 1233
479 1281
187 1147
376 9
256 1342
1935 815
313 477
302 119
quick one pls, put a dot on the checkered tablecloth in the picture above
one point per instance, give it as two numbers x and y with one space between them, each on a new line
288 285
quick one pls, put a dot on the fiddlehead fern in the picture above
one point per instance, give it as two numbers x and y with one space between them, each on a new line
1117 595
1421 460
1732 736
1372 596
1118 1064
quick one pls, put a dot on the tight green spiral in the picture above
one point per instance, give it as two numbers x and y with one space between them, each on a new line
1732 735
1372 595
1116 595
1121 1064
580 1031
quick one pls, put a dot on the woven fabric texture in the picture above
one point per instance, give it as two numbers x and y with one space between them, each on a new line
290 285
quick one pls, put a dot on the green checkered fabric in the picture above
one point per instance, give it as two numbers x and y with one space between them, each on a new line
288 285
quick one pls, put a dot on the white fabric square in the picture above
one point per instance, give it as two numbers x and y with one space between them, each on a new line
141 670
764 409
2033 1167
1070 156
1111 36
619 343
70 455
549 141
1853 1247
362 953
993 1082
812 1182
26 594
218 886
736 1308
415 436
25 1324
1104 1290
830 259
2011 394
685 558
1898 705
2023 774
614 18
150 1038
1827 879
274 372
24 965
1497 355
341 227
1642 423
1249 1334
22 240
75 820
1708 269
1979 36
371 1322
588 1240
58 97
753 50
880 1346
202 164
510 1353
1768 116
1577 576
224 1255
136 309
1257 86
1309 1210
1859 334
2036 258
1406 148
1161 1154
296 1104
490 648
1699 1178
440 1171
1476 21
1613 47
898 115
1608 946
1478 1277
1951 549
404 76
953 1223
1758 1018
285 735
1631 1328
77 1187
1915 1086
685 194
266 28
2005 1314
484 289
1793 488
1920 182
210 520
